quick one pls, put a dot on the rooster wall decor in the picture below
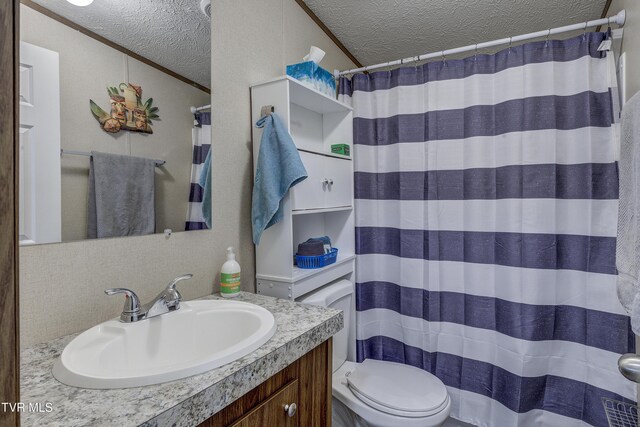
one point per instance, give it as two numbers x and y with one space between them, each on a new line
128 112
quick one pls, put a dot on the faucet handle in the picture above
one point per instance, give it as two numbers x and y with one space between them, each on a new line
174 282
172 296
131 303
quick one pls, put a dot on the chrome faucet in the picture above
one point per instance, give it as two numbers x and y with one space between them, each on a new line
166 301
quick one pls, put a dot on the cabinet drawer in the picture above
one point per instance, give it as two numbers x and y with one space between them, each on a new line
309 194
272 411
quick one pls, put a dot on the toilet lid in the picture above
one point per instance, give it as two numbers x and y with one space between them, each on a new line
397 389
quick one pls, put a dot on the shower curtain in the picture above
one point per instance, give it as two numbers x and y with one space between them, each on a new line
486 209
201 142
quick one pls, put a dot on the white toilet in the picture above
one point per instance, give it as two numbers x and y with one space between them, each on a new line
376 393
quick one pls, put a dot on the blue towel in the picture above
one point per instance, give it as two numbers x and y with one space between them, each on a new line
279 168
205 183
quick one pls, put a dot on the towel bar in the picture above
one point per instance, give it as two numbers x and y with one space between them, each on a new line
84 153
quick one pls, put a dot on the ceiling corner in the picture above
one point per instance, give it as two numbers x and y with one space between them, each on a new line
328 32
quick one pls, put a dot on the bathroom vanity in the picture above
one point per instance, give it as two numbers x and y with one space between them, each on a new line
285 382
299 395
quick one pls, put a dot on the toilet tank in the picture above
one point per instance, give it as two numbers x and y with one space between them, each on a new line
338 295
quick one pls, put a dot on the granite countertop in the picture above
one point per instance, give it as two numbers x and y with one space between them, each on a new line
185 402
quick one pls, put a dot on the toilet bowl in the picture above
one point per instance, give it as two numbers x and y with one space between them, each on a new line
377 393
397 404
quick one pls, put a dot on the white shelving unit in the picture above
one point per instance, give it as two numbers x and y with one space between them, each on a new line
320 205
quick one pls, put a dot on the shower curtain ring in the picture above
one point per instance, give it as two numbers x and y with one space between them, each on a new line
548 35
444 58
510 43
584 31
476 55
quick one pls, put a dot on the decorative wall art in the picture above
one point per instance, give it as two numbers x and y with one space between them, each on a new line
128 112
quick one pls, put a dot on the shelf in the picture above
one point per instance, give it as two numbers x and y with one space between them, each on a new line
314 100
310 98
324 153
302 273
320 211
315 122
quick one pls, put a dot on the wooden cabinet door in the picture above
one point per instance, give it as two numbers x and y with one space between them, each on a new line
306 382
310 193
272 412
340 187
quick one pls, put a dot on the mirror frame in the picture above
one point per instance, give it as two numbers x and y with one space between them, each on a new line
9 321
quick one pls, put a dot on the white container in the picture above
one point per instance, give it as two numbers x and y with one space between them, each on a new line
230 276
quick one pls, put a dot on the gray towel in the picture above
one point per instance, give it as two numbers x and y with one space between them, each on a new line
121 196
628 241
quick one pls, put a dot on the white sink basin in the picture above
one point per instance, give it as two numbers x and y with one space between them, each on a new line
198 337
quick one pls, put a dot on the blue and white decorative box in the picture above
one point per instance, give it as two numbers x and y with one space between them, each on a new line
311 74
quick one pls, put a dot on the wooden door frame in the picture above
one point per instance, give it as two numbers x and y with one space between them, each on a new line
9 334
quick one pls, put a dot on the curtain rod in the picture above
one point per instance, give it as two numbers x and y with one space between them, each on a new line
87 154
196 109
616 19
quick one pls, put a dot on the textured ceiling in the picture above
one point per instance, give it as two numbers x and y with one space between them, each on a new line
172 33
378 31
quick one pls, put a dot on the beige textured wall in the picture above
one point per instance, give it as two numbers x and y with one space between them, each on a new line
86 67
630 41
61 285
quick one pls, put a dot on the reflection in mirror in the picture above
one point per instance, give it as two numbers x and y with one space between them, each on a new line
115 128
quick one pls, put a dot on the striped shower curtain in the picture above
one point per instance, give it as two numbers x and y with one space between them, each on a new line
486 209
201 143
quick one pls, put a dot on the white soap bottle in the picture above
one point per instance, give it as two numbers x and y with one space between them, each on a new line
230 276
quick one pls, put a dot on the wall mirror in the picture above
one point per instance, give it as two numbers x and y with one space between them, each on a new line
115 126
